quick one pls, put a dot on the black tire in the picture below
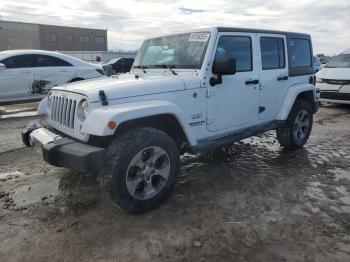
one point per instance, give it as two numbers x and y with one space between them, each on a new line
285 135
121 151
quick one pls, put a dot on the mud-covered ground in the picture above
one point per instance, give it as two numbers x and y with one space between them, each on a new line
250 202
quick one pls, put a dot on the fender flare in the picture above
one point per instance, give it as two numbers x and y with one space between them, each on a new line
97 121
290 98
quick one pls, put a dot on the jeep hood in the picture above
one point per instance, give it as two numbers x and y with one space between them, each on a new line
127 85
334 73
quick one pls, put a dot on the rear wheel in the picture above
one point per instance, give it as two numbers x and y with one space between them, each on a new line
140 170
296 130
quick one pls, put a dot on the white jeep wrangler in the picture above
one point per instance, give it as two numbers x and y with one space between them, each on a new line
187 92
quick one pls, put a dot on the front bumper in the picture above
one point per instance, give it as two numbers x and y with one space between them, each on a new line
335 97
63 151
334 93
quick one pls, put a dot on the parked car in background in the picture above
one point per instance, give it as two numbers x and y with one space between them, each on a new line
30 74
317 64
334 80
323 58
118 65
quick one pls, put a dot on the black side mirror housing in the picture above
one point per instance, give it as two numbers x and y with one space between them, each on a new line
222 67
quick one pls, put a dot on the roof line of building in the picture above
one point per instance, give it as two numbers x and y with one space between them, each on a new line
75 27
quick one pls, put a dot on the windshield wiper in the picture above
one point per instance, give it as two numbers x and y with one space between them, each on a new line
167 66
142 68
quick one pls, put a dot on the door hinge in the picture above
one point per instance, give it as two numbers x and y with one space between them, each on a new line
261 109
210 92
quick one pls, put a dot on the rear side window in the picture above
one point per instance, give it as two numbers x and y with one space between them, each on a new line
299 53
272 53
19 61
238 47
48 61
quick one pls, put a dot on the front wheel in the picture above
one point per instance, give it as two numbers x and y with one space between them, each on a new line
141 169
297 128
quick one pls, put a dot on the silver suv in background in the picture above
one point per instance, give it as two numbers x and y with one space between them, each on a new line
334 80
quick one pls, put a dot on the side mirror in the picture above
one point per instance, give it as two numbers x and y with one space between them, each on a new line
222 67
2 67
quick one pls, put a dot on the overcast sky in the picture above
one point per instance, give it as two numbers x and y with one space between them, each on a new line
328 21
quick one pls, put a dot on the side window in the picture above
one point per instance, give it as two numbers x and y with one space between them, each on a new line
272 53
84 39
299 52
20 61
48 61
50 37
238 47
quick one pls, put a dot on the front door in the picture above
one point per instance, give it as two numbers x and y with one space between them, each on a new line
273 74
233 104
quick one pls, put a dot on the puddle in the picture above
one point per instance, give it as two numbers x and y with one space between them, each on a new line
341 174
315 192
342 190
27 195
345 200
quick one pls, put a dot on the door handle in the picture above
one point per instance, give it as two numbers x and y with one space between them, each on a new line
26 72
63 71
252 82
282 78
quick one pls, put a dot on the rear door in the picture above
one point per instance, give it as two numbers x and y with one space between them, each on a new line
273 74
50 71
16 80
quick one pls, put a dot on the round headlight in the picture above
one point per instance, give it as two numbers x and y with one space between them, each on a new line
83 109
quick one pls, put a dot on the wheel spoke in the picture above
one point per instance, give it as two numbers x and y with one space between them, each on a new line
156 154
163 171
133 184
137 161
148 188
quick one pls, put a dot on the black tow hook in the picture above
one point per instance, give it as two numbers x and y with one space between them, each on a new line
26 134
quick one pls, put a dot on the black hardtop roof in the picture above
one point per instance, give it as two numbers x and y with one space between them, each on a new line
264 31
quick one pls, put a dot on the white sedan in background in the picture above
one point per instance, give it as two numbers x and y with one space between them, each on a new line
30 74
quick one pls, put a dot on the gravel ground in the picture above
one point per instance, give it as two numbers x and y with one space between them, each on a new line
252 201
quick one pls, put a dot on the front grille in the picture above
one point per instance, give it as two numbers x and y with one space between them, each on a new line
336 82
62 110
335 95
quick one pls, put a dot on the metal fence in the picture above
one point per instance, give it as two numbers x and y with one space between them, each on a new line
99 56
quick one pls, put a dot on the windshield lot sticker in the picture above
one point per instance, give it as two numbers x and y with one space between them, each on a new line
199 37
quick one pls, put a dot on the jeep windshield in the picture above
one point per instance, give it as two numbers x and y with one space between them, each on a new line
340 61
184 51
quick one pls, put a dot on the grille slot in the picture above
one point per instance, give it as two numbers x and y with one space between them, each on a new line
336 82
62 111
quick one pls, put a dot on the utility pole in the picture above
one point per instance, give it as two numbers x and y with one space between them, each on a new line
121 37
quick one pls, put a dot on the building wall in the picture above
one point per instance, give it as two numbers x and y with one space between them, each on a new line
72 39
15 35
